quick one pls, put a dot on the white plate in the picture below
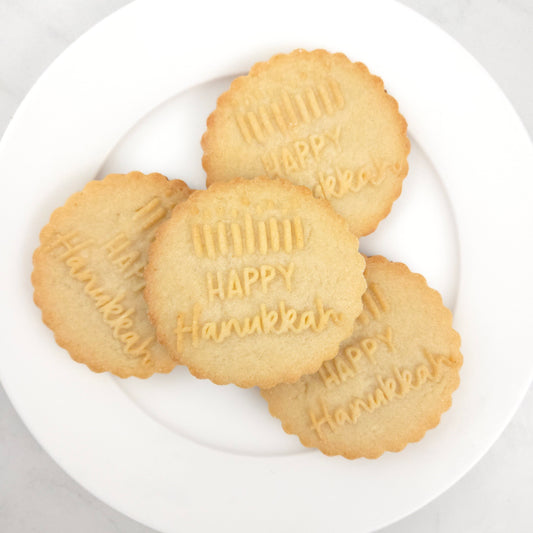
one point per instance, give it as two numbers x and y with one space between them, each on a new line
180 454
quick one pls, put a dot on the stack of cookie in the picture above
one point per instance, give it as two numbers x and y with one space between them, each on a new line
258 281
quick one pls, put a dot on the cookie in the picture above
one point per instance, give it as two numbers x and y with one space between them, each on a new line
389 383
318 120
254 282
88 272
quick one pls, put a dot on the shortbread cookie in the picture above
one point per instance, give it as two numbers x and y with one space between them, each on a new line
254 282
318 120
389 383
88 272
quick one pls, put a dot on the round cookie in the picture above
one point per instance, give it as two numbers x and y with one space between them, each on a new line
88 272
390 381
318 120
254 282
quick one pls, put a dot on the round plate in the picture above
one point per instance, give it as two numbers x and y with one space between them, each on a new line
181 454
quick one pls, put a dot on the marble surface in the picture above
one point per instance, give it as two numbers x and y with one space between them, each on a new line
495 496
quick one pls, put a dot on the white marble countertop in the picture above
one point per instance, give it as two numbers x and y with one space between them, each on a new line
495 496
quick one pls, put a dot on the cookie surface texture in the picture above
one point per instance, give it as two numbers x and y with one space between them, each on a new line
389 383
88 272
248 282
318 120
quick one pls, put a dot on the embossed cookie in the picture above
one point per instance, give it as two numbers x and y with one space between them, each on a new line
390 381
88 272
254 282
316 119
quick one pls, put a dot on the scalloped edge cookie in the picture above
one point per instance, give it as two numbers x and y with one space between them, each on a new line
203 361
356 442
222 128
52 282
